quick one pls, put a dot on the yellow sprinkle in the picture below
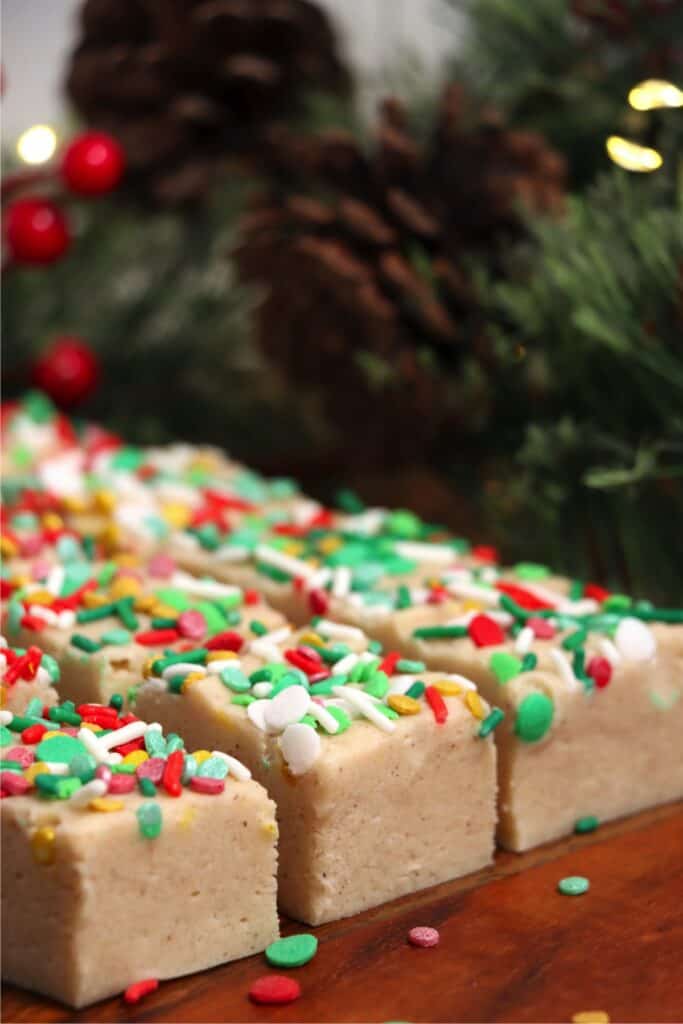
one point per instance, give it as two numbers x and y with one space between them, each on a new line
92 599
8 548
470 605
105 804
293 547
135 757
51 521
104 501
3 695
270 829
163 611
37 768
87 725
403 705
43 597
127 560
447 688
313 639
591 1017
52 732
329 544
220 656
175 514
43 845
201 755
145 603
125 586
186 819
20 580
74 505
148 667
473 702
110 537
190 679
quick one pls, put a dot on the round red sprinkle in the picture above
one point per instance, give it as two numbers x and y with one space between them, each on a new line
192 624
205 784
121 782
543 630
601 671
424 937
274 988
152 768
134 993
485 632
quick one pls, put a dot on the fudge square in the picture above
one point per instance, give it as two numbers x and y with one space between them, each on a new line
384 775
119 867
102 622
591 690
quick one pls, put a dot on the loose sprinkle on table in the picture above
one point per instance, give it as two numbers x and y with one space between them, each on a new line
588 823
274 989
293 951
134 993
423 936
573 885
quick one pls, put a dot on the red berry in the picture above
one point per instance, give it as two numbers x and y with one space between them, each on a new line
68 371
600 670
92 164
36 231
485 632
275 988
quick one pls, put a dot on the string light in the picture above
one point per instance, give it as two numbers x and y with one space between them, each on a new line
37 144
631 156
655 93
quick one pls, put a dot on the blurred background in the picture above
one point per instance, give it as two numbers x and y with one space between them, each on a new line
428 249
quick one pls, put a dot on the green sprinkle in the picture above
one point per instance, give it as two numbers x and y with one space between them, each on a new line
213 768
235 680
534 717
64 716
348 501
124 610
147 787
531 571
589 823
116 701
243 699
386 711
155 744
149 820
174 742
10 766
196 657
375 647
617 603
294 951
6 736
83 766
410 667
378 685
95 614
324 689
573 885
491 722
403 598
116 637
529 662
60 787
190 769
416 690
174 684
123 769
162 623
342 718
504 666
261 675
440 632
309 720
21 722
34 706
257 627
575 640
60 749
84 643
52 668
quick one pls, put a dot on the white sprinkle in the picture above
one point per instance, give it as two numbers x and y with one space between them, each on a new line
319 578
215 667
93 746
286 708
329 630
202 588
6 717
586 606
489 574
288 564
366 707
67 619
182 667
55 579
263 648
300 746
304 510
56 768
463 681
239 770
92 789
262 689
232 553
277 636
487 595
322 715
564 668
608 649
441 553
132 731
43 677
341 581
47 615
366 523
153 727
400 684
256 713
345 664
525 639
634 640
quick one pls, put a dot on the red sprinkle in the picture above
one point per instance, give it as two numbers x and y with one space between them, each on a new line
600 670
300 660
13 784
543 630
438 595
437 704
485 553
228 641
121 782
523 597
31 622
485 632
424 937
192 624
152 768
274 988
389 663
134 993
595 591
128 748
33 734
172 773
252 597
21 754
205 784
154 637
318 602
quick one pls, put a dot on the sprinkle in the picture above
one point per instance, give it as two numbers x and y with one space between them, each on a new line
563 667
134 993
156 637
60 749
437 704
485 631
591 1017
474 702
206 784
106 805
589 823
236 768
365 705
600 671
294 951
286 563
274 989
90 791
132 731
320 713
573 885
634 640
300 745
491 722
403 705
149 820
504 666
534 717
43 845
439 632
84 643
424 937
286 708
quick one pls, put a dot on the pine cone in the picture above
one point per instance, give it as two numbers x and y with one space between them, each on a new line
186 84
369 298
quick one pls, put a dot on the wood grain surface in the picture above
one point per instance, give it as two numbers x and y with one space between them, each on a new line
512 948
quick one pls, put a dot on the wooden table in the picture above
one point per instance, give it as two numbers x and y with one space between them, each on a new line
512 948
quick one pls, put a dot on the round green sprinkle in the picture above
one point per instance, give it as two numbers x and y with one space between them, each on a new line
116 701
257 627
531 571
573 885
492 720
534 717
83 767
61 749
589 823
149 820
294 951
213 768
